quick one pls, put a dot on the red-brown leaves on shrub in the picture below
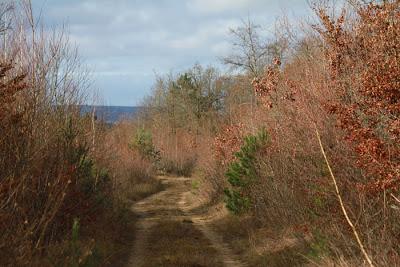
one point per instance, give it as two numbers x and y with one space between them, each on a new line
364 62
265 87
228 142
10 85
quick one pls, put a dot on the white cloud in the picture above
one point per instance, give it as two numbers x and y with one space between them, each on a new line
217 6
133 39
205 35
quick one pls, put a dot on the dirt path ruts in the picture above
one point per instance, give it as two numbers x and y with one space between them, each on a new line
171 204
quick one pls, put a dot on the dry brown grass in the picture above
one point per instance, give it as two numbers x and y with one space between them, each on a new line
141 190
133 175
106 243
263 246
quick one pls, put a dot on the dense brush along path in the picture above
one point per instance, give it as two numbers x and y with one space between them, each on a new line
170 231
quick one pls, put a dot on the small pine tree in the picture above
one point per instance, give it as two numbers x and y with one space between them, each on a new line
143 142
243 171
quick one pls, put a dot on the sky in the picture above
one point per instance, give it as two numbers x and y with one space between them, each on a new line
125 43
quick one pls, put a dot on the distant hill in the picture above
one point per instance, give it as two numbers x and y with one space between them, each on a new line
111 114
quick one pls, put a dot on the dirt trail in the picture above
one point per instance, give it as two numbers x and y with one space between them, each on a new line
174 204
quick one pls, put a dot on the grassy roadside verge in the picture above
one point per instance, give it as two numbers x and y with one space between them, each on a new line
260 246
107 241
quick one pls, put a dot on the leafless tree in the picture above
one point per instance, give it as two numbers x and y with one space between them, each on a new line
250 52
250 49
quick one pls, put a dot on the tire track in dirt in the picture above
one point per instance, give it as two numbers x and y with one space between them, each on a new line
171 204
229 259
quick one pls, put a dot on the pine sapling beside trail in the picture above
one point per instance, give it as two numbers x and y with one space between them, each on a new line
243 171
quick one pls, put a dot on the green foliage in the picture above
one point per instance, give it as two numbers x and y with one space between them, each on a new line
91 185
190 100
243 171
75 230
143 142
80 254
75 249
195 185
93 181
199 97
236 202
319 246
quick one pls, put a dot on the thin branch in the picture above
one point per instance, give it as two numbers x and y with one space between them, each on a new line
395 198
360 244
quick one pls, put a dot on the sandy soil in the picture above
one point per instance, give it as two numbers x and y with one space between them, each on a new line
176 203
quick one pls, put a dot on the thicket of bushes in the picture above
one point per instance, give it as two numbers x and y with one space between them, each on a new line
62 183
340 76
